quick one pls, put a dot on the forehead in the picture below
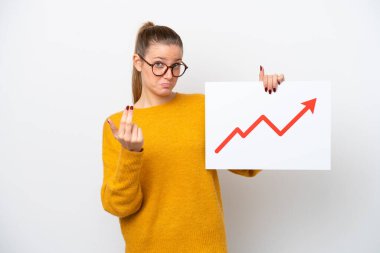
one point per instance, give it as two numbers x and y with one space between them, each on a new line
168 52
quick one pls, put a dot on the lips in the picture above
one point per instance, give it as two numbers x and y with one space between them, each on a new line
165 84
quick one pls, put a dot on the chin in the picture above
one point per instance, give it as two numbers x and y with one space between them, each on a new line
164 92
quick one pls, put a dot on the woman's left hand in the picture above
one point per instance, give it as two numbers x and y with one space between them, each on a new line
271 82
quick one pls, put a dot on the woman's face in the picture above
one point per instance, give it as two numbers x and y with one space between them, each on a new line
168 54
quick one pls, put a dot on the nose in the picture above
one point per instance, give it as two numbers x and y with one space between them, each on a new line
168 74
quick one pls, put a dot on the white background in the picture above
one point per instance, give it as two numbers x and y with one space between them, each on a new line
65 66
306 145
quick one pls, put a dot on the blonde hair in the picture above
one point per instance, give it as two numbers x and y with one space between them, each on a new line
148 34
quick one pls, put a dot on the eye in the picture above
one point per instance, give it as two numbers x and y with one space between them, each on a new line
176 65
159 65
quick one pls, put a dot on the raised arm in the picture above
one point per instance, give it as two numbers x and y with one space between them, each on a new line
121 192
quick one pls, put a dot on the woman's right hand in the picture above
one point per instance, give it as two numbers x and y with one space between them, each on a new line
129 135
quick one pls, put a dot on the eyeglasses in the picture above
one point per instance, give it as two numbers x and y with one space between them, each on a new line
160 68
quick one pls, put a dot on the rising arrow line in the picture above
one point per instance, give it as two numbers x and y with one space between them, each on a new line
309 105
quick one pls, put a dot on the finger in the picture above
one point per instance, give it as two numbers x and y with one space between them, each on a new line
113 127
270 84
128 124
266 83
130 114
134 133
281 78
261 74
123 123
275 82
140 136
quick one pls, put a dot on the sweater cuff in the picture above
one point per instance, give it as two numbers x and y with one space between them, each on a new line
246 173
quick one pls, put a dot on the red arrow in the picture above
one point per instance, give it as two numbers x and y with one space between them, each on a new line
309 105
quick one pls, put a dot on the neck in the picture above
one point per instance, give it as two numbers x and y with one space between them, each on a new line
149 99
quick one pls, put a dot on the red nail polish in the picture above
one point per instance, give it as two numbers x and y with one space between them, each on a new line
131 107
127 107
278 82
274 89
266 89
261 67
270 91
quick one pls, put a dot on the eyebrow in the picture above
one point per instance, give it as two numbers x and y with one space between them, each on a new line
180 59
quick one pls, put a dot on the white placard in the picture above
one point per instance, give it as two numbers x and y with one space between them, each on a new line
247 128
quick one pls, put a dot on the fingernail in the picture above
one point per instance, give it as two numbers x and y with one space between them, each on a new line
270 91
127 107
274 89
131 107
266 89
261 67
108 120
278 82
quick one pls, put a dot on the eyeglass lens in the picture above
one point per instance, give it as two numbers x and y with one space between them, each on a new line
160 69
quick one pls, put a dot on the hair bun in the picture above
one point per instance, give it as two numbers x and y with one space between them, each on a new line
147 25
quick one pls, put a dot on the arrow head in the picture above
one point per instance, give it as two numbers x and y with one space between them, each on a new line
310 104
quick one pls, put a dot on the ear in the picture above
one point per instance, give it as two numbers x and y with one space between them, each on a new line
137 62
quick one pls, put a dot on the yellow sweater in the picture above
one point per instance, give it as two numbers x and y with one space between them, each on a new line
164 197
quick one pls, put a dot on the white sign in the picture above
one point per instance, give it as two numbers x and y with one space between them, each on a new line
247 128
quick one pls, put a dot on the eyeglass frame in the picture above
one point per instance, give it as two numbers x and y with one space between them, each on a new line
167 67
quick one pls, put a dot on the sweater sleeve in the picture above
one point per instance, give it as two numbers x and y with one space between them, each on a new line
121 192
246 173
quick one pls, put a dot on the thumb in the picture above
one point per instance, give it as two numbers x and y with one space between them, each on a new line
113 127
261 75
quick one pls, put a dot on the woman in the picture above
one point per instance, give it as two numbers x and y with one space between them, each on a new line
155 179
